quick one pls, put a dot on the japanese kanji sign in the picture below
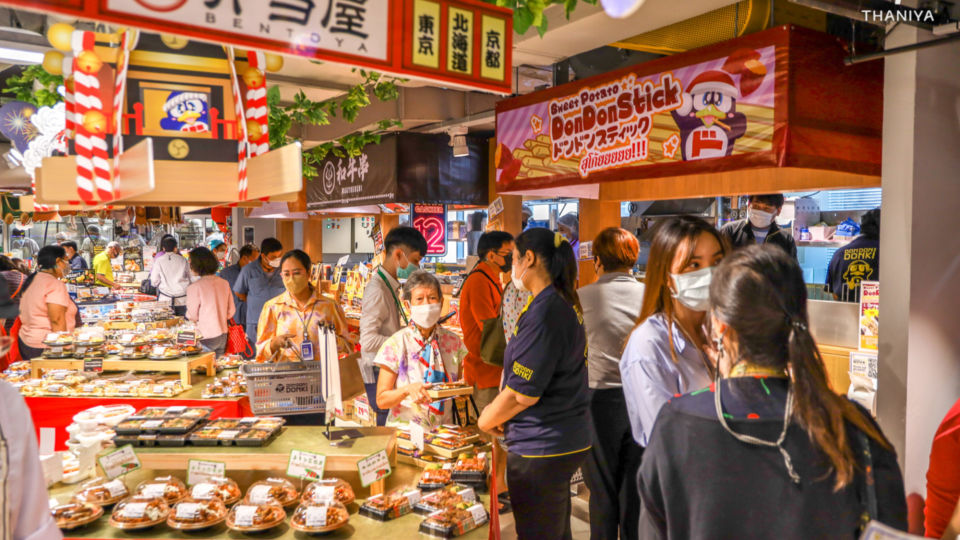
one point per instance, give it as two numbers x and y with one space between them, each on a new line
439 39
367 179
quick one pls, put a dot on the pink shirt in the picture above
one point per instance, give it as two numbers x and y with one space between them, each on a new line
210 305
45 289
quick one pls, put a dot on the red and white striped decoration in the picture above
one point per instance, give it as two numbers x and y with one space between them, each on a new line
241 130
93 167
119 96
257 104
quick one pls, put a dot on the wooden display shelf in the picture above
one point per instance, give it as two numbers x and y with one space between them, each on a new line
184 366
129 325
276 455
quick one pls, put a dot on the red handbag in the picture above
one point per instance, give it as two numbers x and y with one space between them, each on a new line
237 342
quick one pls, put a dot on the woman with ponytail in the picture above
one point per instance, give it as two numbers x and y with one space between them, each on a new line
769 450
542 406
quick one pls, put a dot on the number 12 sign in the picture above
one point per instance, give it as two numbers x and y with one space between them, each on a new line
431 221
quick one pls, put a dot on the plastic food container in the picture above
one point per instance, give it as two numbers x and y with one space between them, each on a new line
170 488
278 489
245 517
448 497
470 468
319 517
195 514
453 522
222 487
392 505
435 476
76 514
102 492
139 513
327 489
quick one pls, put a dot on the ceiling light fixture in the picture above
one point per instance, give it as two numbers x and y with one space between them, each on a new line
20 56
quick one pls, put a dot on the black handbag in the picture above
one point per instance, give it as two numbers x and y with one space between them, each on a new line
147 288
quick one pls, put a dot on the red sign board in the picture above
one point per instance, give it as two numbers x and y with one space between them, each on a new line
431 221
463 43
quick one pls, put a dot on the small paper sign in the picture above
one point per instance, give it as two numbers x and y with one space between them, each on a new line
586 251
187 337
361 409
374 467
306 465
119 462
416 435
495 208
200 471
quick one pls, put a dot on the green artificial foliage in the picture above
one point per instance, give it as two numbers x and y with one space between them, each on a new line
35 86
529 13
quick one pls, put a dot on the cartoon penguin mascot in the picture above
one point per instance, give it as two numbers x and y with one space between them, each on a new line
708 119
186 112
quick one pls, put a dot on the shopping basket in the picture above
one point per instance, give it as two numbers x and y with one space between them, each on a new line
284 388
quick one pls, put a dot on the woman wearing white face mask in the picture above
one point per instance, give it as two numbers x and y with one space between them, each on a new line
664 354
419 355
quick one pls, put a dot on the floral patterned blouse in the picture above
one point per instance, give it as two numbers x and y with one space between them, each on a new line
282 316
414 359
514 301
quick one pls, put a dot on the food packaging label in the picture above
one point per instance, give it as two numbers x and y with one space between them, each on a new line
56 350
260 494
243 515
445 436
248 420
413 497
447 466
468 495
152 424
203 491
478 513
316 516
180 409
188 510
158 389
228 434
154 490
51 337
88 388
323 493
133 510
115 488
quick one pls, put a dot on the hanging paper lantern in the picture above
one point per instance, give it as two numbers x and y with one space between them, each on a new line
252 77
274 62
53 62
253 131
95 122
59 35
89 62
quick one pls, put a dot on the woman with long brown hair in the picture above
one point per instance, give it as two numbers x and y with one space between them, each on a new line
664 354
776 453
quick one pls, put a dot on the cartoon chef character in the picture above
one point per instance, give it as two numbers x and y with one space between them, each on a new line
186 111
708 119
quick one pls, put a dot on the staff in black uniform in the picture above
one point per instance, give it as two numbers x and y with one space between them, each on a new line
761 227
857 261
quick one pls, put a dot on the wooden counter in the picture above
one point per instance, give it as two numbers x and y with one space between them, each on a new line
184 366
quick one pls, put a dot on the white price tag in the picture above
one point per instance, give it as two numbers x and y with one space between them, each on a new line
115 488
151 424
478 513
413 497
260 494
188 510
316 516
468 495
323 493
153 491
243 515
416 435
133 510
203 491
179 409
229 434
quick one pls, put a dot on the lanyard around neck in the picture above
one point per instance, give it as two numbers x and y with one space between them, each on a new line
394 295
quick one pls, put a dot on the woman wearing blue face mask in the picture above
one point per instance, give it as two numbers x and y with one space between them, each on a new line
664 355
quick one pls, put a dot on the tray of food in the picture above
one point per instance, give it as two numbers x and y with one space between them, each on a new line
131 340
58 339
256 437
444 390
435 476
171 440
89 339
201 413
218 486
178 426
245 518
133 354
329 489
207 436
159 352
57 353
392 505
196 514
278 489
151 413
224 423
319 517
470 468
102 492
169 488
139 513
160 335
447 497
76 514
456 521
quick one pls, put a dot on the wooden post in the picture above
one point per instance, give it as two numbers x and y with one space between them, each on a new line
285 234
512 216
313 238
595 216
388 222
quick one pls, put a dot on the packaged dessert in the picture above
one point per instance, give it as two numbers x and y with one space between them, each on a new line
218 486
195 514
447 497
435 476
248 517
170 488
453 522
329 489
279 489
76 514
319 517
102 491
139 513
470 468
391 505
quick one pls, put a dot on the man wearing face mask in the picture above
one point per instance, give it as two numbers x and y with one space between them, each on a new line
760 227
260 282
569 226
381 313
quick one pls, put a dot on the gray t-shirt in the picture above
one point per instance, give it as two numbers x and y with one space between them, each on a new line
611 307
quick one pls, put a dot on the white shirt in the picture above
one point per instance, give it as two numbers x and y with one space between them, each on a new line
23 493
171 276
379 319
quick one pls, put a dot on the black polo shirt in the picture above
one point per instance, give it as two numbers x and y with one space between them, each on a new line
855 262
547 359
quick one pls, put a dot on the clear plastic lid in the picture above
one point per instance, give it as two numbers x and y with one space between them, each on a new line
102 491
75 513
192 512
279 489
140 510
218 486
247 516
313 516
170 488
329 489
